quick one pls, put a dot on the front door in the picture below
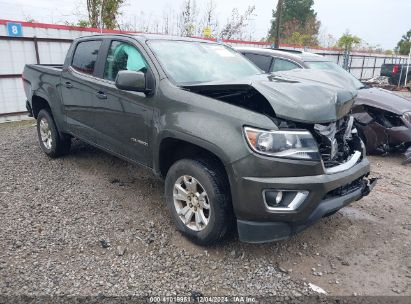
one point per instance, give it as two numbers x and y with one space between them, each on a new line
122 119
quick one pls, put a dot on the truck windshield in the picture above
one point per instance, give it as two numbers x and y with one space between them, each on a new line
189 62
331 66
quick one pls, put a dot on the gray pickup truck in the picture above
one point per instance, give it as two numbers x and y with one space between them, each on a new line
267 155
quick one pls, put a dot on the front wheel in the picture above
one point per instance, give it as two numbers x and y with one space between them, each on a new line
51 142
198 196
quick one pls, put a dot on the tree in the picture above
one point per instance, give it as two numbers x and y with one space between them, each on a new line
109 9
403 46
209 20
83 23
187 18
234 28
29 18
297 16
347 41
278 13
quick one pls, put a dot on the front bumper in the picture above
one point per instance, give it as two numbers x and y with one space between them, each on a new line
256 223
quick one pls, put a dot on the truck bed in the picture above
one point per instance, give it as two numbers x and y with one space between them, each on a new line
45 67
42 80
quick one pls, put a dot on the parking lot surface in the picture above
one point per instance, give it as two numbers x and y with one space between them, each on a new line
90 223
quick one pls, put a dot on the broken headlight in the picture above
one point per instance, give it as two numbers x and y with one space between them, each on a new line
407 116
287 144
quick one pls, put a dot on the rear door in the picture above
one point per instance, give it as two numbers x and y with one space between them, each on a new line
122 119
78 88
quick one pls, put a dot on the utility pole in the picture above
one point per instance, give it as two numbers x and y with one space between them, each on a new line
278 23
408 66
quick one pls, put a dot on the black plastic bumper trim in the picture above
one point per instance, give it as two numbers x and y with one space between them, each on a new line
262 232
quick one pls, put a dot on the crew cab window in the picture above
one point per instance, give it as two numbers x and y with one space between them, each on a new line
283 65
123 56
263 62
85 56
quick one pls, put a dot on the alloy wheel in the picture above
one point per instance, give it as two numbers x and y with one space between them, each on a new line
45 133
191 203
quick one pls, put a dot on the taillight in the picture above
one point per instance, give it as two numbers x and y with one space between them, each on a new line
395 69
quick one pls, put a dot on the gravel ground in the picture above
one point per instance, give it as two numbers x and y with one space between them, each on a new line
90 223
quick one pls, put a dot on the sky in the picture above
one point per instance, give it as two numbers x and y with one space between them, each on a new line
378 22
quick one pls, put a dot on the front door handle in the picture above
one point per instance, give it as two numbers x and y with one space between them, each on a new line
101 95
68 85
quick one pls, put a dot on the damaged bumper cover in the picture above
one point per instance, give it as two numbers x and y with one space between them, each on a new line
326 194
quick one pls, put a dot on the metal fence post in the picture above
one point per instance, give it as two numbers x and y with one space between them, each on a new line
362 66
375 64
346 59
349 67
36 47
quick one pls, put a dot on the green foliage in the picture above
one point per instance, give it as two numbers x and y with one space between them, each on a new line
298 23
403 46
110 10
347 41
299 39
83 23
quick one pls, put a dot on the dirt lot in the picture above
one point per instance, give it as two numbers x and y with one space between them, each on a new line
58 215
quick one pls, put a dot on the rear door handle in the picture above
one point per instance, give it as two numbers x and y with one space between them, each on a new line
68 85
101 95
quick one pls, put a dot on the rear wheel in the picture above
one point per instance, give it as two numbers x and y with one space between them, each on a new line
51 142
198 196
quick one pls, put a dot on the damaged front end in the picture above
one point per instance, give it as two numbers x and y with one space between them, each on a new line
339 144
282 96
383 131
293 103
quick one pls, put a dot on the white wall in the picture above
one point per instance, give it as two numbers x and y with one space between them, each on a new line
15 54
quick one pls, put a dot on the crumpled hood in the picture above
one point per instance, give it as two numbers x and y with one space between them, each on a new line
384 100
297 95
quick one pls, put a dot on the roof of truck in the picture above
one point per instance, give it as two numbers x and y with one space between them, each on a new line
169 37
145 37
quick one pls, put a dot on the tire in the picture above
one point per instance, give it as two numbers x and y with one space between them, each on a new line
219 215
51 142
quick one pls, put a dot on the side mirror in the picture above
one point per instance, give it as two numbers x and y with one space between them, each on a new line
131 81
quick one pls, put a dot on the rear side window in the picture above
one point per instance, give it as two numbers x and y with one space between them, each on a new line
85 56
283 65
123 56
263 62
